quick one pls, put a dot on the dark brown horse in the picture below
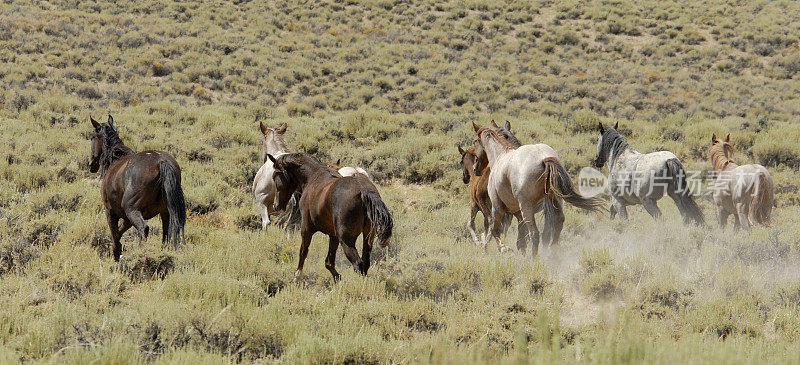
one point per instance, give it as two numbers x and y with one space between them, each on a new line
136 187
341 207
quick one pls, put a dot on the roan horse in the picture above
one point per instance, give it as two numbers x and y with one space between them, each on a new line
637 178
479 194
744 191
272 143
136 187
341 207
520 179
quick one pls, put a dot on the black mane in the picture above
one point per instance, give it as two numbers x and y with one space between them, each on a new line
613 144
113 148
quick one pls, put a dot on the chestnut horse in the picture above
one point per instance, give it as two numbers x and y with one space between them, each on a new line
744 191
520 179
136 187
341 207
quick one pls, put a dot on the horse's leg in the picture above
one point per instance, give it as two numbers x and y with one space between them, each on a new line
527 209
330 260
306 241
498 213
264 212
113 222
164 227
651 206
485 235
618 207
366 249
722 216
522 233
135 217
349 247
473 210
744 220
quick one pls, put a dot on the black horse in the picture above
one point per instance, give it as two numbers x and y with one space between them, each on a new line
136 187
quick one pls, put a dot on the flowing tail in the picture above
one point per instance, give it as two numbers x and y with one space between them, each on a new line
681 194
557 185
175 203
379 217
761 203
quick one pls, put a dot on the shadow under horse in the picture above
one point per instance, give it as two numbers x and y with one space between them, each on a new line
136 187
341 207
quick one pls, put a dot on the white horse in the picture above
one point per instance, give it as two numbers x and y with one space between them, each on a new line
272 143
745 191
520 179
350 171
637 178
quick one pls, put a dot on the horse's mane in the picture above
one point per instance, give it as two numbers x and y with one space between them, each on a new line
510 137
614 143
113 148
310 165
280 141
499 137
718 154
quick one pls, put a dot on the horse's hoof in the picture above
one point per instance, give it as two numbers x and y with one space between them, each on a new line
504 249
298 275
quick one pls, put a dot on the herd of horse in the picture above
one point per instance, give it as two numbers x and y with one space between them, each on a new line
506 180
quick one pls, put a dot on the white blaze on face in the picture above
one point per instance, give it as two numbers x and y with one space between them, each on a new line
599 145
591 182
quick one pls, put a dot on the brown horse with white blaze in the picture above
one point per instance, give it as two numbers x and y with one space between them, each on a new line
341 207
137 187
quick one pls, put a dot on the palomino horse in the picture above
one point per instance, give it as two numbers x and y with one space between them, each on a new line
744 191
521 178
136 187
341 207
272 143
637 178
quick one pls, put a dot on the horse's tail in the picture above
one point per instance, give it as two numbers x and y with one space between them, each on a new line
761 203
681 194
557 185
379 217
175 203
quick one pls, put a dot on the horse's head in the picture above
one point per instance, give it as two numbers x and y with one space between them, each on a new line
334 166
481 160
723 144
98 138
467 162
272 140
603 145
285 183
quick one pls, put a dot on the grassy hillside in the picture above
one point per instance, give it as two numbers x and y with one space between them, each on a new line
393 87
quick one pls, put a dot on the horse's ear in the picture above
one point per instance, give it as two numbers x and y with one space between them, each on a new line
616 125
494 124
339 162
111 121
728 138
262 127
713 138
600 127
94 123
282 128
461 151
272 158
475 127
508 126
